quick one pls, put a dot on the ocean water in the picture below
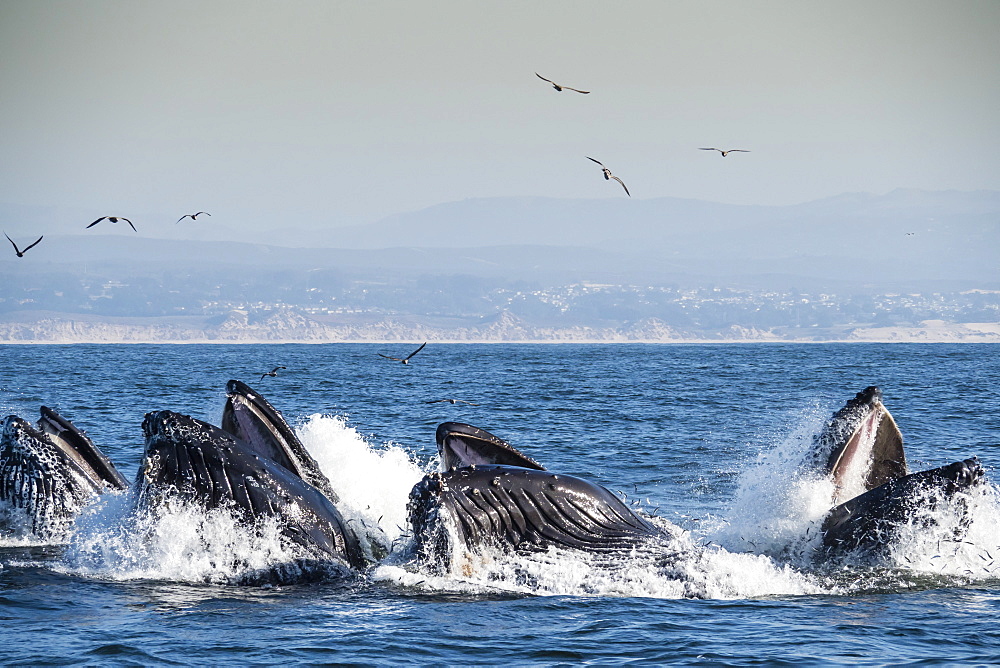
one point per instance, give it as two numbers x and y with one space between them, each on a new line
706 437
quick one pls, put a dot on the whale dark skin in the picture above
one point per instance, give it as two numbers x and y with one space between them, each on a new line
197 462
490 503
48 472
868 523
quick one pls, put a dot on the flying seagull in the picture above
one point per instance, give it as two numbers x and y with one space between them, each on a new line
20 253
561 88
113 219
608 175
404 360
726 151
272 373
193 216
451 401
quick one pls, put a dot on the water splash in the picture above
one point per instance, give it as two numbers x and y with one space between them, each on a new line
956 537
678 568
373 482
779 507
173 541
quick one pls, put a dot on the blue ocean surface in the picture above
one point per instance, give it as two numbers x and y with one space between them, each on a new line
707 437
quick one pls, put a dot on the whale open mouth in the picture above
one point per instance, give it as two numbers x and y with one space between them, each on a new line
251 418
75 445
48 472
492 496
461 445
861 447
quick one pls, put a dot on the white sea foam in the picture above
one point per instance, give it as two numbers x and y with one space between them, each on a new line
778 506
174 541
373 481
678 569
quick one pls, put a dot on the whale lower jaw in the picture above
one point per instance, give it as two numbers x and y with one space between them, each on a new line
860 447
248 416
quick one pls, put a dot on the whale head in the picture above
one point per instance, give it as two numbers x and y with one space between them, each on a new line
860 447
202 464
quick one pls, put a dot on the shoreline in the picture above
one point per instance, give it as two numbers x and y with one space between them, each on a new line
288 327
533 342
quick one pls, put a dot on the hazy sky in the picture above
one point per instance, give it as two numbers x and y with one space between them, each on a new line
307 113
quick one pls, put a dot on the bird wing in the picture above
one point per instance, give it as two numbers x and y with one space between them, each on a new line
738 150
389 358
417 350
275 369
15 245
711 149
544 79
130 224
435 401
29 247
183 217
203 212
95 222
597 161
577 90
262 376
623 184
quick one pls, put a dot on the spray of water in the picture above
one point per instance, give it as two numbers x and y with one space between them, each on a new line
173 541
373 482
779 507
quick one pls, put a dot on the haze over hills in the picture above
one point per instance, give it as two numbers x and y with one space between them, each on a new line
523 268
900 237
904 234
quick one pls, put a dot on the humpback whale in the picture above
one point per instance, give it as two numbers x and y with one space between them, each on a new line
867 523
493 496
48 473
255 467
860 449
193 461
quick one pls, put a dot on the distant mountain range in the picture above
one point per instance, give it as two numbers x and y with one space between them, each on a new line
906 237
